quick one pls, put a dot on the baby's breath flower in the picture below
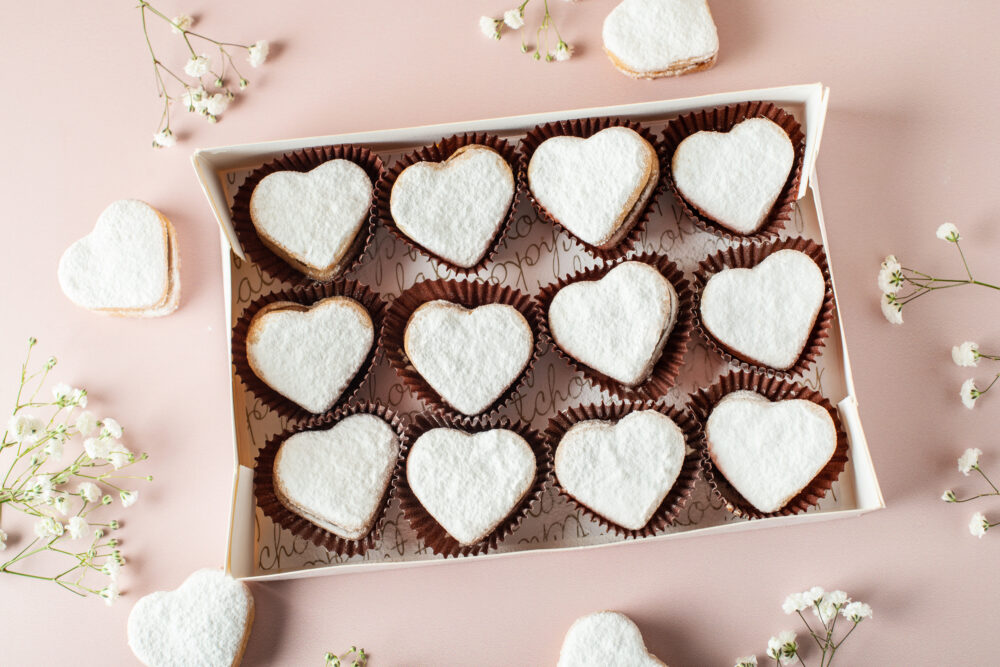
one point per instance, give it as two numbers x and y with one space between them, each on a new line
54 448
80 397
110 428
949 496
490 26
61 503
746 661
969 460
782 647
856 611
514 18
42 486
969 393
112 567
830 605
181 23
814 594
217 103
564 51
3 540
197 66
128 498
978 525
86 423
948 232
193 99
89 492
47 528
164 138
78 527
892 308
890 275
24 428
61 391
257 53
109 593
966 354
796 602
97 448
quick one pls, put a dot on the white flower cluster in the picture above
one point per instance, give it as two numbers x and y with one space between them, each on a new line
746 661
966 354
969 460
783 647
513 19
825 605
978 524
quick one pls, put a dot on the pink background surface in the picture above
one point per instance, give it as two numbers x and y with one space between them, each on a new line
910 142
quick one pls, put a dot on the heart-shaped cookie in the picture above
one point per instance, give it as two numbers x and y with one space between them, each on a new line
127 266
622 470
204 622
469 357
769 451
309 354
454 208
311 219
735 177
652 38
617 325
605 638
337 478
595 187
765 314
470 483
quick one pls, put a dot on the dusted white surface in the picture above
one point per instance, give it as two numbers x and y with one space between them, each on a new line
201 624
622 470
656 35
590 185
767 312
605 639
336 477
618 324
470 483
469 356
122 264
769 451
310 356
314 216
454 208
735 177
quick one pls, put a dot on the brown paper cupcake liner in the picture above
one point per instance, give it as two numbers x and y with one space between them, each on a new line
469 295
678 496
302 161
722 119
430 532
439 152
271 505
668 366
704 400
305 295
747 256
585 128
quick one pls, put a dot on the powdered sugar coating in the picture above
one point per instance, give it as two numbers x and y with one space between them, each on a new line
313 216
617 325
765 313
769 451
454 208
622 470
310 355
337 477
603 639
654 36
735 177
469 356
591 185
205 622
470 483
123 264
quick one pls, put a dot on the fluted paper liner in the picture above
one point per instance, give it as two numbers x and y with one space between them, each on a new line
302 161
668 366
679 493
747 256
271 505
439 152
704 400
468 295
428 530
723 119
585 128
305 295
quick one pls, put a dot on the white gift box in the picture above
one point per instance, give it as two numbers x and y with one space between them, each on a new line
534 254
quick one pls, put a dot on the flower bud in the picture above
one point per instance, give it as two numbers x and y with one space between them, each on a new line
243 84
106 500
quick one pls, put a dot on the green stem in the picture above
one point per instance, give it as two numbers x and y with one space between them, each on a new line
996 491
